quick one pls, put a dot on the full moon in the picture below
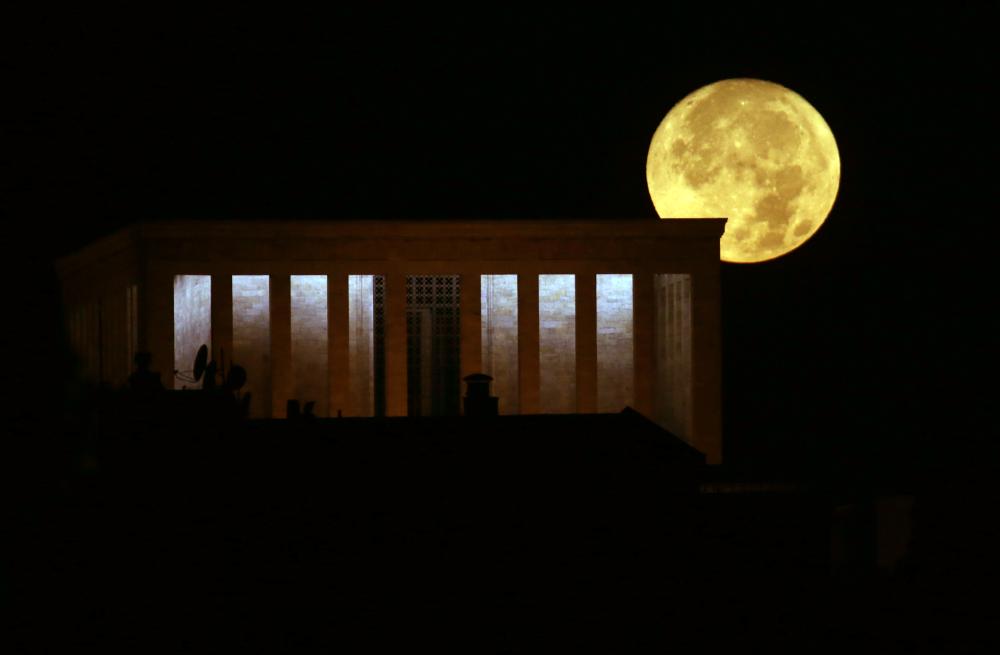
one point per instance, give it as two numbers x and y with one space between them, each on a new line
753 152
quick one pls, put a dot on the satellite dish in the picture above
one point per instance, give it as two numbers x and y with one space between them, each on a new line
200 361
237 377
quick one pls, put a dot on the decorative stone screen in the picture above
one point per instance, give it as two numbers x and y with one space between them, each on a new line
498 309
192 325
309 342
557 343
614 342
252 338
361 345
673 353
432 345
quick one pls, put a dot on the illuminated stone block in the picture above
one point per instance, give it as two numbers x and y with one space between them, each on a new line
498 308
310 380
614 343
252 338
557 343
361 344
192 325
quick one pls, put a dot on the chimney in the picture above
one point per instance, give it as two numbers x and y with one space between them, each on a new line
478 401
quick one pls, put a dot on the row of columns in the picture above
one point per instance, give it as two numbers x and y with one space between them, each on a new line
470 339
156 335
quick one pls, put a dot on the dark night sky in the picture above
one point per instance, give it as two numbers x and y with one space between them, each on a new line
871 335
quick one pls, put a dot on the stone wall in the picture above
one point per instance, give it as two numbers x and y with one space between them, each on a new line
614 342
192 325
309 336
252 338
673 390
557 343
498 308
361 345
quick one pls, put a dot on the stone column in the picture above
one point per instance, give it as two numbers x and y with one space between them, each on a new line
337 348
156 327
644 330
706 363
527 341
471 337
281 343
586 343
222 321
395 344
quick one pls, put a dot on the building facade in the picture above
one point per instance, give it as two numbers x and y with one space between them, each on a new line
369 318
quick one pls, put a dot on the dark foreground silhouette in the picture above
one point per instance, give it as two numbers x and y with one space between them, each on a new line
183 527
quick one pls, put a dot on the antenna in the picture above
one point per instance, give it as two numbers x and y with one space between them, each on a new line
200 362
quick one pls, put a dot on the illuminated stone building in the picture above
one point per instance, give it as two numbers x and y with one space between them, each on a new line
384 318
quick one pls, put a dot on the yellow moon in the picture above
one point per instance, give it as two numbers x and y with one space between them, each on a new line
753 152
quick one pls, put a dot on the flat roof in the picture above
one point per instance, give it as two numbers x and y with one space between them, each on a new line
208 231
